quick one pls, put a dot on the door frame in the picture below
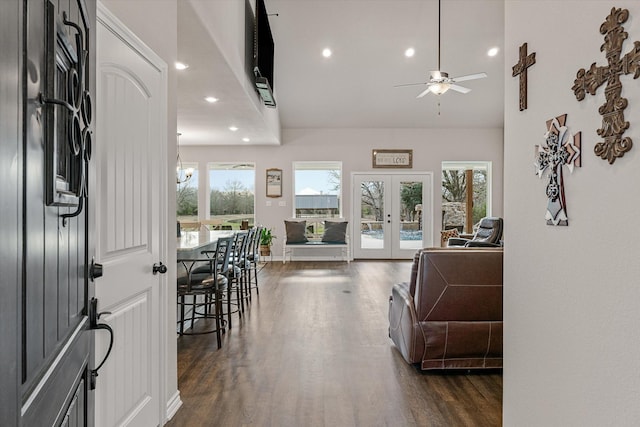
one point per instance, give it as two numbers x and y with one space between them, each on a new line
427 196
11 259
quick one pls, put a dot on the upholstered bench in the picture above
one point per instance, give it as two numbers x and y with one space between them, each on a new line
303 235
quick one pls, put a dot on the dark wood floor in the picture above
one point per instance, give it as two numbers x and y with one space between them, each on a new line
313 350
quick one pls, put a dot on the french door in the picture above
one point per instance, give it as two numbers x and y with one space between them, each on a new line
392 214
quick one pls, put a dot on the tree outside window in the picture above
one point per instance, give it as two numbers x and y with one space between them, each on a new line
410 197
187 194
372 200
455 192
232 194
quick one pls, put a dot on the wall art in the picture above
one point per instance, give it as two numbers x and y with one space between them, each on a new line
520 69
392 158
588 81
560 148
274 182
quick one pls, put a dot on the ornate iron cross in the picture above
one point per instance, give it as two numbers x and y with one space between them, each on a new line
520 69
612 111
560 148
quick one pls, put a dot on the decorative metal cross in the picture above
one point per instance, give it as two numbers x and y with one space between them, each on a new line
520 69
561 148
612 111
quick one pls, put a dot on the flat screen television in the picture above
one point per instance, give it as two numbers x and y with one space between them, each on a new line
263 46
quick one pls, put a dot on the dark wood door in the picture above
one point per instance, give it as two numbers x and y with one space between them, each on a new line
10 182
46 116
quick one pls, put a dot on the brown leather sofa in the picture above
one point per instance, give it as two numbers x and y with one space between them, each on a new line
449 315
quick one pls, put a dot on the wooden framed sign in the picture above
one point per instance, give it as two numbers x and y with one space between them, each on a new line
274 182
392 158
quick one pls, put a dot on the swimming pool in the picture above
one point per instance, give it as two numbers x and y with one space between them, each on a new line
404 234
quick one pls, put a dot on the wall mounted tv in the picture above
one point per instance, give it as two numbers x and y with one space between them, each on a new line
264 48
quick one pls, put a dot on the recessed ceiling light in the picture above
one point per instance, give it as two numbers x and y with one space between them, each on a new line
181 66
326 52
409 52
211 99
245 139
493 51
233 128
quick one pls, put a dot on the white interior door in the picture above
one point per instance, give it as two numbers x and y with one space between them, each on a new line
130 185
392 214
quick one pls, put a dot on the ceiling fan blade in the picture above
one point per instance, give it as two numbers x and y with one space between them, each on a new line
459 88
411 84
423 93
469 77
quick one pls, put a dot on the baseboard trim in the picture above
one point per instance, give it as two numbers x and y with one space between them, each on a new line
173 405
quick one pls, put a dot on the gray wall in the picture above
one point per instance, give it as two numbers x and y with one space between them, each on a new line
570 293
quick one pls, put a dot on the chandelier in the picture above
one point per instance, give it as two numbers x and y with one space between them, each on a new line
182 175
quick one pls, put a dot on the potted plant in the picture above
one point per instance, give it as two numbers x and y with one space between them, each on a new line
266 240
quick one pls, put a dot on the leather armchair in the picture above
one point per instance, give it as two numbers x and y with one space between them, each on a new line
449 316
488 234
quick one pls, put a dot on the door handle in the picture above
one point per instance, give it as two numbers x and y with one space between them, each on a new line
159 268
94 316
95 270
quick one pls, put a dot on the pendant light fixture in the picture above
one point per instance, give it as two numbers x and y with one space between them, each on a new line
182 175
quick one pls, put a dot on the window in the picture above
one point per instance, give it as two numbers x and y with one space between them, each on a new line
457 194
187 198
232 194
318 187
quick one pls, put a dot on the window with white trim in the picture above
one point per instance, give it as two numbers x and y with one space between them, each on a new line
464 205
232 194
318 189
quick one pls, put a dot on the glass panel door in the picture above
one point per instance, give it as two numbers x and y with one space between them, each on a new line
372 222
410 204
392 215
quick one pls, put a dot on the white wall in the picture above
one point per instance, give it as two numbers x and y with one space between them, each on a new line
225 23
353 147
570 293
145 18
224 19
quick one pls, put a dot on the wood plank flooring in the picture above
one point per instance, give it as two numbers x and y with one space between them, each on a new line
313 350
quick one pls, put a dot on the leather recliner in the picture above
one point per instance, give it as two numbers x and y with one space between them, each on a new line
449 315
489 234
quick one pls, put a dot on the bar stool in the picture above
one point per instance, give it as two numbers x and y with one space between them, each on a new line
206 290
253 257
237 271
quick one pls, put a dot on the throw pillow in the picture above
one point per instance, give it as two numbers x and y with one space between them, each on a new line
335 232
446 235
296 231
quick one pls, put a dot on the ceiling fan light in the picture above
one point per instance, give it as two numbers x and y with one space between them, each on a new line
439 88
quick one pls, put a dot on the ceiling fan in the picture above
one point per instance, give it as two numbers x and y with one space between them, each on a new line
439 81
